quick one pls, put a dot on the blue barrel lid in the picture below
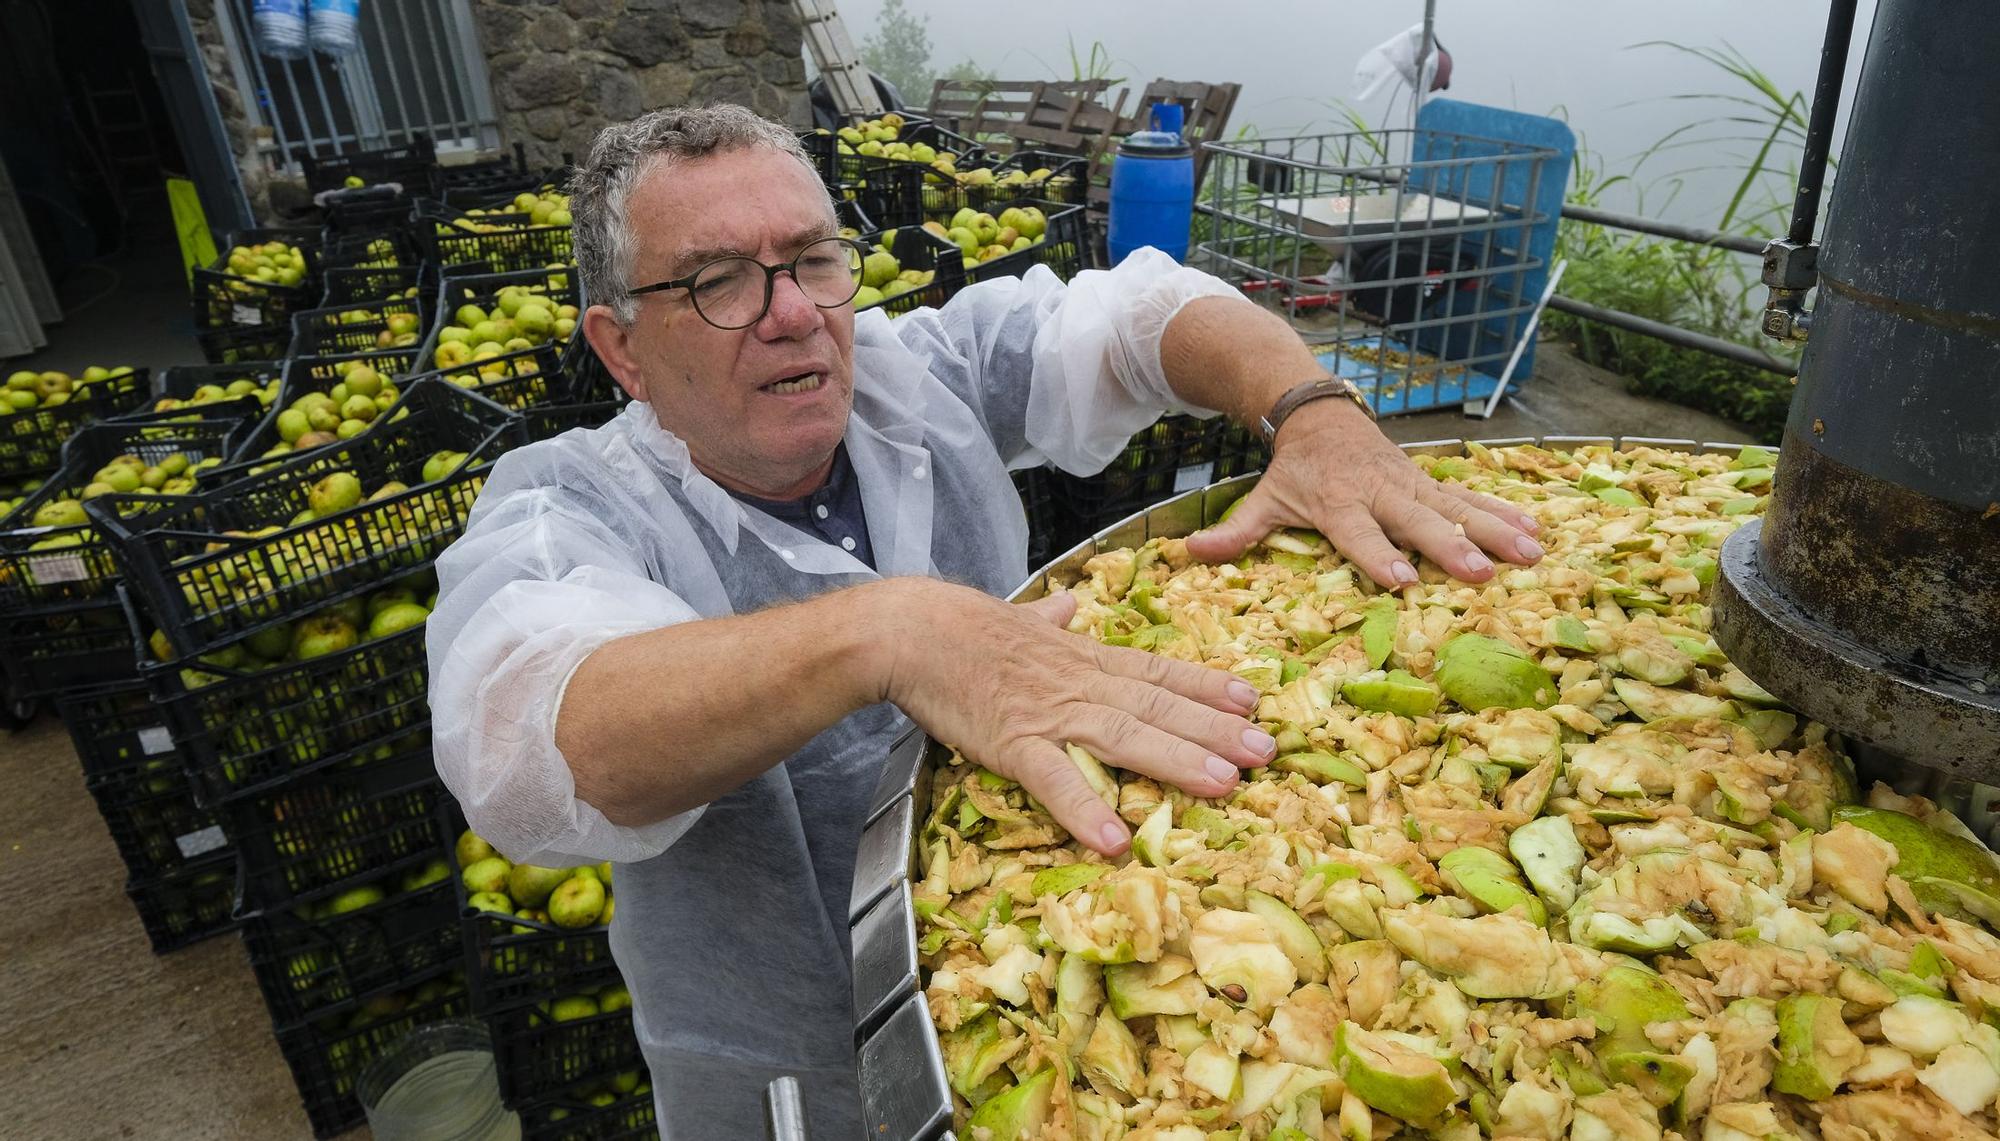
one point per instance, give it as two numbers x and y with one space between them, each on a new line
1162 138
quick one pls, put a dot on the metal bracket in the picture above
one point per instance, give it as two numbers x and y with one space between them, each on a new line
1790 269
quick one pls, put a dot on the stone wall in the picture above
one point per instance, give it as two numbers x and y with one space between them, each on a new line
250 165
563 69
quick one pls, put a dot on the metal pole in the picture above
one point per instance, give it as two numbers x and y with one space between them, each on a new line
1673 335
785 1110
1819 131
1700 235
1521 342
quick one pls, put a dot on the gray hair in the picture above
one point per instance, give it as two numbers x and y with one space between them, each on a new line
603 243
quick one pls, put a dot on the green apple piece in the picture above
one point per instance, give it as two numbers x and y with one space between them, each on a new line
1963 1076
1395 691
1238 956
1924 1026
1060 881
1294 936
1355 906
1659 1078
973 1052
1322 768
1304 1025
1522 738
1491 882
1212 823
1568 632
1551 856
1094 773
1479 672
1149 842
1167 986
1492 956
1652 702
1947 872
1855 863
1369 971
1815 1047
1378 630
1772 727
1390 1077
1079 996
1019 1114
1215 1070
1110 1060
1622 1002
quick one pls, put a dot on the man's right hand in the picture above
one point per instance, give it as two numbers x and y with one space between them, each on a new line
1008 686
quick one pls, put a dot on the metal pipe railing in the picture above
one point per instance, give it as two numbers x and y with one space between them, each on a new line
1700 235
1673 335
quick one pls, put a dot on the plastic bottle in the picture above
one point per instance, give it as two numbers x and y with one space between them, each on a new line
1152 188
336 27
280 27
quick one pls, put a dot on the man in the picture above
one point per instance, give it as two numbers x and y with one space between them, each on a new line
685 640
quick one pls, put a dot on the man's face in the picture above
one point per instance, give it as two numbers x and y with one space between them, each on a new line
714 388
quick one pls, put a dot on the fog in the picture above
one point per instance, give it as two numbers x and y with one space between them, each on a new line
1576 59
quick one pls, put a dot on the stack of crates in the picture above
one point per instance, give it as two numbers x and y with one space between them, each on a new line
551 997
283 614
64 638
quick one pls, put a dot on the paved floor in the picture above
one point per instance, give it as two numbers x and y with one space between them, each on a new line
102 1038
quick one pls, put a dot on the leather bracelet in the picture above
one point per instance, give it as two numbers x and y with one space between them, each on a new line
1299 395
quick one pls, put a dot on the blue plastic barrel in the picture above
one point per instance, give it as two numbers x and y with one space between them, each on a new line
1152 188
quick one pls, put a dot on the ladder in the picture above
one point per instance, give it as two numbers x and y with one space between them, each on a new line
833 52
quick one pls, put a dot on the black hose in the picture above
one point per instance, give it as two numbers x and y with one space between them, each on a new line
1819 129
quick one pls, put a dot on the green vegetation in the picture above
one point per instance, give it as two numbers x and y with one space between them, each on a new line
1696 287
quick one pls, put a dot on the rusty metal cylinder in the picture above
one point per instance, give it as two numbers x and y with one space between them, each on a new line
1869 596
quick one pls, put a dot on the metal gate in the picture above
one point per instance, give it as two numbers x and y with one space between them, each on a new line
419 71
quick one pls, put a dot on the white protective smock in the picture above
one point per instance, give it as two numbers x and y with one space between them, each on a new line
731 928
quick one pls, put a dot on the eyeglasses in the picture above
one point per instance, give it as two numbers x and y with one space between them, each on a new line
735 292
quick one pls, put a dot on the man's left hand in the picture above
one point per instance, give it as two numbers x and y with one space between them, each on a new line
1333 470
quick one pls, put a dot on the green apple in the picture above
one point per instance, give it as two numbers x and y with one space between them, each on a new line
336 492
490 901
320 635
577 902
471 848
530 885
488 874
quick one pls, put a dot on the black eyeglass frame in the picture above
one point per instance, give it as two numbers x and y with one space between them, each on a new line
771 273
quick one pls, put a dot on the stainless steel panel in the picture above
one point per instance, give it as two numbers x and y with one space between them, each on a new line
904 1096
884 858
885 958
899 776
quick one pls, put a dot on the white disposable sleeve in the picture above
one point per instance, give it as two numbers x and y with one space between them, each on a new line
532 589
1065 372
1097 376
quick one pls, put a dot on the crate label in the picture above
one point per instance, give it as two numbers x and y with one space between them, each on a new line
246 314
156 739
209 839
46 569
1193 476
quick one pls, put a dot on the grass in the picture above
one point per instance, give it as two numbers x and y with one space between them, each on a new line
1696 287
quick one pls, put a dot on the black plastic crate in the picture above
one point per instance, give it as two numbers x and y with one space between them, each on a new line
328 1054
539 1057
457 290
201 573
349 285
1240 452
1174 455
386 245
445 236
310 374
412 165
609 1114
552 420
223 300
1067 183
1064 246
135 775
518 381
182 382
241 730
182 908
513 961
357 327
851 167
1038 503
31 440
366 211
52 649
917 248
239 344
310 959
898 192
43 566
368 817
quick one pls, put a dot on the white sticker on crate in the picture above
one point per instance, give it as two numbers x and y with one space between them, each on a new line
156 739
209 839
1193 476
246 315
46 569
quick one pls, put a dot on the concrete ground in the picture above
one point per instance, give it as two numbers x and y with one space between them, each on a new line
106 1040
